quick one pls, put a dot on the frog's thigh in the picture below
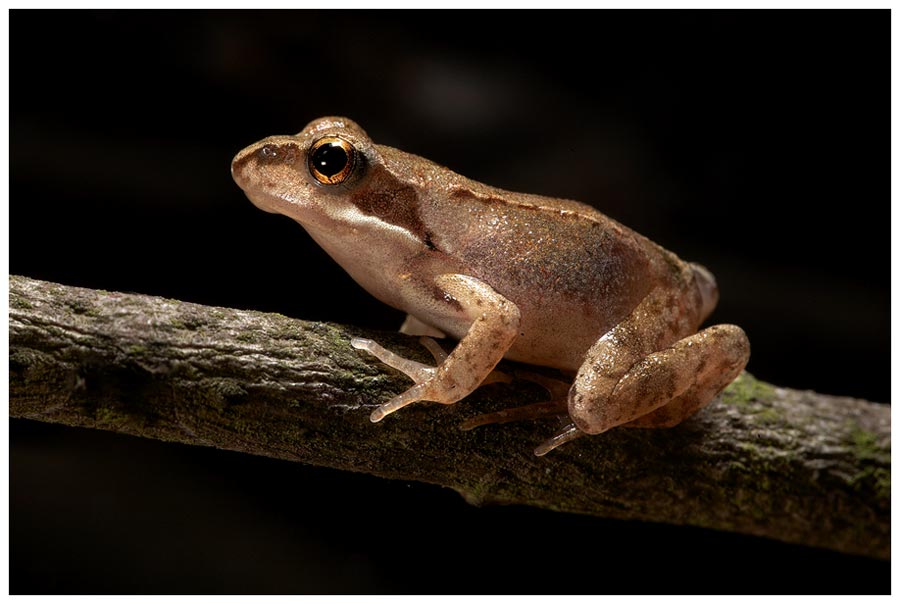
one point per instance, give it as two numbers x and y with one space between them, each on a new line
667 386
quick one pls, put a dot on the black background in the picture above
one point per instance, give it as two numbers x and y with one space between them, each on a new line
754 142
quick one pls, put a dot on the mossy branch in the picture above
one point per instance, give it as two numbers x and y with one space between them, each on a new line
790 465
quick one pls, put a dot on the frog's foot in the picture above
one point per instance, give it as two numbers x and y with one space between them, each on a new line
533 411
567 434
667 386
556 406
495 324
418 372
558 389
419 392
437 351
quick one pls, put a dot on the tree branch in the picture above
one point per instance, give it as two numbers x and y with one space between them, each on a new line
790 465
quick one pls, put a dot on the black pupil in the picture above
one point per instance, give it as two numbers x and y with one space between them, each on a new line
330 158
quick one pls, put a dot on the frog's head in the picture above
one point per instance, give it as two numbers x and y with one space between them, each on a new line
336 182
358 200
306 174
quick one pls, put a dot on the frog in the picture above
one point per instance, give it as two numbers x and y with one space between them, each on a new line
548 282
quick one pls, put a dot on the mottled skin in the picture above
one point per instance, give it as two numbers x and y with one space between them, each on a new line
546 281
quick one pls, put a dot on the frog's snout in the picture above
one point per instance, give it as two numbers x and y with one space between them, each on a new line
234 174
239 167
260 159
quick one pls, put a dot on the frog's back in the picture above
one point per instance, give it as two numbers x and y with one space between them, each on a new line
573 272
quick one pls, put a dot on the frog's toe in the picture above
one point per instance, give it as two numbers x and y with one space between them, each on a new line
416 393
418 372
567 434
439 354
540 410
558 389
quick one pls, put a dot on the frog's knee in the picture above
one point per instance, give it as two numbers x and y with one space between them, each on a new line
730 342
587 411
696 367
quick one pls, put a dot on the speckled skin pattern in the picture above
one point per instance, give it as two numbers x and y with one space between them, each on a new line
541 280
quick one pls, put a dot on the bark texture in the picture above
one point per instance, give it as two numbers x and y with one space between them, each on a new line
762 460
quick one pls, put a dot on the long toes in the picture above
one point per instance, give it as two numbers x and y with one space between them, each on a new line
498 417
567 434
533 411
556 387
416 393
418 372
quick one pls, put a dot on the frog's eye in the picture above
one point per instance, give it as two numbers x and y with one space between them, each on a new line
331 160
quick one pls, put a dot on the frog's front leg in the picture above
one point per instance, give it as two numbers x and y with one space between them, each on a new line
494 327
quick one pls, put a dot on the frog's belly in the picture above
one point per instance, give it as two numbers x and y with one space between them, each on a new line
558 326
561 342
560 339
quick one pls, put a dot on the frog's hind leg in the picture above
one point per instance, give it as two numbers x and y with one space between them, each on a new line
567 434
556 406
667 386
533 411
705 389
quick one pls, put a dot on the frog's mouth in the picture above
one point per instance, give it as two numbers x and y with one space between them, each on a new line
263 201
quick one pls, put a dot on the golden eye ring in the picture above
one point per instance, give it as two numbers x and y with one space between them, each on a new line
331 160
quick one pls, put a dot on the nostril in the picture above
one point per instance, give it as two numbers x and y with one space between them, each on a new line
277 153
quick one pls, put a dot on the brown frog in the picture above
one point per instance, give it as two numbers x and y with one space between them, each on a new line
535 279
